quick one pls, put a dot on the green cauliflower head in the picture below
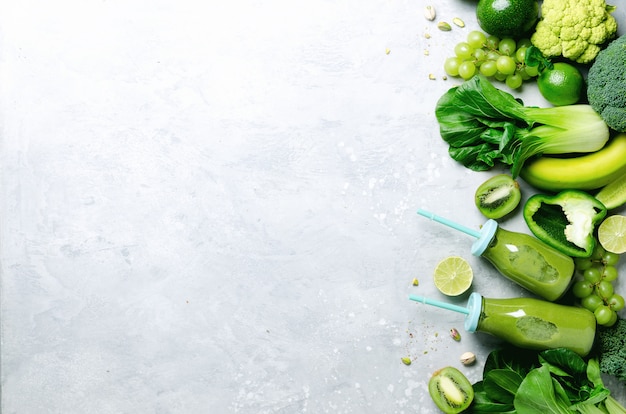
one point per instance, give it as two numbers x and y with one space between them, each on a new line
574 29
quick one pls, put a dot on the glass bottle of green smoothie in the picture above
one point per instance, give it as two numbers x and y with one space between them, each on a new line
527 322
520 257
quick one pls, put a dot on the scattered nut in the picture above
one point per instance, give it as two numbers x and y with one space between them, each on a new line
458 22
416 282
406 360
444 26
468 358
429 13
455 334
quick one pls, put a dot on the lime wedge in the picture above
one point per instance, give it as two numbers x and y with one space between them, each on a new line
613 194
612 234
453 276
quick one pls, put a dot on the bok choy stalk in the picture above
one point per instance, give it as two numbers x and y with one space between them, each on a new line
484 125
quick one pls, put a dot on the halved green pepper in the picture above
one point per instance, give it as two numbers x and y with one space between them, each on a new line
565 221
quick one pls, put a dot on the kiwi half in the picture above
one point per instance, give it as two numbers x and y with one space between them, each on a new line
450 390
498 196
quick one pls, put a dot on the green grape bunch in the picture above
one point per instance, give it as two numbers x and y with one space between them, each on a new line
495 58
595 289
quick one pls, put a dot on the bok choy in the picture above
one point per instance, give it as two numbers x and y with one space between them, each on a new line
484 125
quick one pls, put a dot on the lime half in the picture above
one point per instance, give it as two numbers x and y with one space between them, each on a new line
453 276
612 234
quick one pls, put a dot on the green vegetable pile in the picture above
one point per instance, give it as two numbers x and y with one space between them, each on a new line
554 381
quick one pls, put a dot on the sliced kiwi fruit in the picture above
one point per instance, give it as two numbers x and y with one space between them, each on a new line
498 196
450 390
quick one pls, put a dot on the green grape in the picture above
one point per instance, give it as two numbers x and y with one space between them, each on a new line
609 273
479 56
582 263
500 76
514 81
591 302
492 55
488 68
582 288
451 66
532 71
463 50
520 55
492 42
522 72
467 69
507 46
604 289
610 259
506 65
476 39
593 275
525 42
616 302
603 314
613 319
598 252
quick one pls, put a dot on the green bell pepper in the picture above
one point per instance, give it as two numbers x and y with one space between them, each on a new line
565 221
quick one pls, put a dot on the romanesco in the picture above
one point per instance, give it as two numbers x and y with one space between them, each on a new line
574 29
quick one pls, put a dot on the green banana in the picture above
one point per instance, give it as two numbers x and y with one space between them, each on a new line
585 172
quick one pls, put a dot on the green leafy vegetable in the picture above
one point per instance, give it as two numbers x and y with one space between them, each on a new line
556 381
484 125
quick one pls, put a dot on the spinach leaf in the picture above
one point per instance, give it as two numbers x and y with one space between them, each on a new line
482 404
502 384
537 394
569 361
512 358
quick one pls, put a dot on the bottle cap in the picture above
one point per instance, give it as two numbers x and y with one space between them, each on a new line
487 231
474 307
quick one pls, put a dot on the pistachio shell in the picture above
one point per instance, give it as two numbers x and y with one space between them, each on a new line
429 13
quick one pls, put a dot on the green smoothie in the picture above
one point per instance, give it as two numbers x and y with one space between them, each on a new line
530 263
538 324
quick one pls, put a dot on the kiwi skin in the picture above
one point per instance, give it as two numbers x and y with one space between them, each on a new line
450 390
498 196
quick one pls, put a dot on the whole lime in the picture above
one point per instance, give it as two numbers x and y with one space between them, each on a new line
561 85
507 18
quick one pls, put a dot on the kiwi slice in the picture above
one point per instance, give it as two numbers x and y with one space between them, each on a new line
498 196
450 390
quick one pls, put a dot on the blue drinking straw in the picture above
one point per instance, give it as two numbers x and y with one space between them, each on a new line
449 223
440 304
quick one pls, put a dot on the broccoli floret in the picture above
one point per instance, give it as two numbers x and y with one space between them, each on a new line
574 29
611 349
606 84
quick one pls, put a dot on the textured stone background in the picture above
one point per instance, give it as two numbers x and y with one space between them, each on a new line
209 207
